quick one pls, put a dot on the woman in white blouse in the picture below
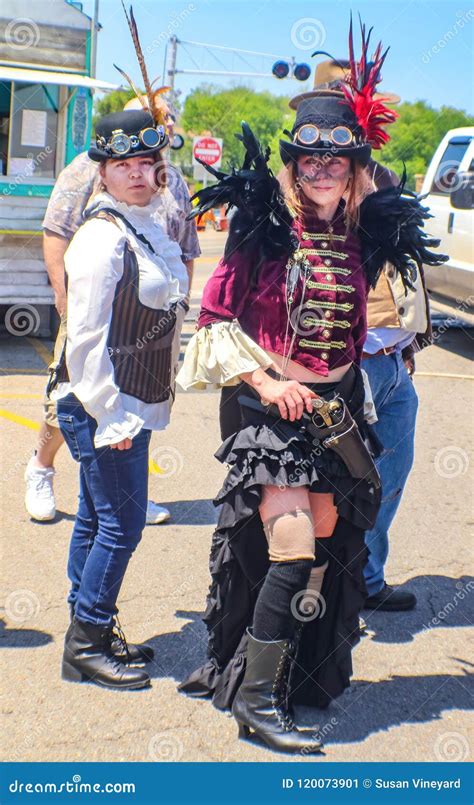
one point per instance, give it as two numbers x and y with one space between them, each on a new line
127 292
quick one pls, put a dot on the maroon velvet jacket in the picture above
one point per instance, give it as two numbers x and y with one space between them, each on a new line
333 324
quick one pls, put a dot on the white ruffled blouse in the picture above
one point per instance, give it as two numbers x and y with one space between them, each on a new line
219 354
94 266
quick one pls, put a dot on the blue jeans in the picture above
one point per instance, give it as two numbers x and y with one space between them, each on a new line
111 516
396 403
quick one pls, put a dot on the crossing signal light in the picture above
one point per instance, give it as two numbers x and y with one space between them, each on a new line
280 69
302 72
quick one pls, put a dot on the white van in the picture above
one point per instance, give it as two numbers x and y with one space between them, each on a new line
449 184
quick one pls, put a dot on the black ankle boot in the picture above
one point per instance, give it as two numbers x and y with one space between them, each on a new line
129 652
88 657
261 701
124 651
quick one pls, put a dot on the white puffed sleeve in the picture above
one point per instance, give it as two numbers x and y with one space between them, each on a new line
218 355
370 414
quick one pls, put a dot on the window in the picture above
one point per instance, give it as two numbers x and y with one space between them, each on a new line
449 165
5 96
33 131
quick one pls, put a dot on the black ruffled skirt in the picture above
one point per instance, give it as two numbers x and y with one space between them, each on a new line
266 450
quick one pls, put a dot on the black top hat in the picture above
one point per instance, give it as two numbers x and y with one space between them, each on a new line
325 124
123 135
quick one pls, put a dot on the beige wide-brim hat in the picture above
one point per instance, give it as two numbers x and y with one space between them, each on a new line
328 72
135 103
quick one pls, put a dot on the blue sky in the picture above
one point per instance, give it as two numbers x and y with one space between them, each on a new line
430 42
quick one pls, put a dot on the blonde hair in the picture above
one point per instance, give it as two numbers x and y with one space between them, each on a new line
358 187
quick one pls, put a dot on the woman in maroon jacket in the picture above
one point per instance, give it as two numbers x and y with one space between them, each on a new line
283 319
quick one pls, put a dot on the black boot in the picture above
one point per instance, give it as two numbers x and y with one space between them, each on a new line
124 651
261 701
88 657
391 599
129 652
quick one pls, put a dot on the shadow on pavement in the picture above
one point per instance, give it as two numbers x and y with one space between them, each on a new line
354 716
60 515
190 512
179 653
441 602
369 707
22 638
457 340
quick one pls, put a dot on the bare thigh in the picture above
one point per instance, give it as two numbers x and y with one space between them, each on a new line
324 513
288 524
276 502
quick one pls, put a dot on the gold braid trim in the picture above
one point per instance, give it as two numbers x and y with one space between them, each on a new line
325 253
333 269
325 323
305 342
344 306
324 286
321 236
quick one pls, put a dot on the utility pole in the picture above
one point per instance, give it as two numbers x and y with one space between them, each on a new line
94 30
171 69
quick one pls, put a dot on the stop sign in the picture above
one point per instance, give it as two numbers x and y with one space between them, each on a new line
208 150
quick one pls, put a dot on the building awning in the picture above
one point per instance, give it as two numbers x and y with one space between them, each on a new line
50 77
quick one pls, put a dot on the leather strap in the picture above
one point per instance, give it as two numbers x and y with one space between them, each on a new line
383 351
156 342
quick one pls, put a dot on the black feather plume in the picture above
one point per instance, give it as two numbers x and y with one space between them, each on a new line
261 224
391 229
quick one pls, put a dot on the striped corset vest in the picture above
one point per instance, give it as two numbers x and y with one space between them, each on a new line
140 338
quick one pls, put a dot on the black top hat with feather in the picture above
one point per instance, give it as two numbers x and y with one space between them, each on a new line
346 122
326 124
133 132
123 135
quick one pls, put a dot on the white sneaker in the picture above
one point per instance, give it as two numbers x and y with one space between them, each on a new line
156 514
39 499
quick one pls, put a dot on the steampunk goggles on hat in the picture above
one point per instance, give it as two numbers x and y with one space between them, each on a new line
309 134
120 143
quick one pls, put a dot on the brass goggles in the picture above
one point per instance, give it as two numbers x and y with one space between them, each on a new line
120 143
309 134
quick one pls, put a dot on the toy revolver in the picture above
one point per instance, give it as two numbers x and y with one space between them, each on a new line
332 424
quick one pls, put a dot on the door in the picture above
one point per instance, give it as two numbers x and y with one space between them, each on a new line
453 227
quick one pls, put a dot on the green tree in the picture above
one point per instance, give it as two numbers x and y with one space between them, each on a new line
110 103
414 136
220 112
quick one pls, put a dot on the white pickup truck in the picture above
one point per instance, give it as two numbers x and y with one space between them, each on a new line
449 185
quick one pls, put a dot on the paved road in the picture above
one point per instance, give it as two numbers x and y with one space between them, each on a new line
410 695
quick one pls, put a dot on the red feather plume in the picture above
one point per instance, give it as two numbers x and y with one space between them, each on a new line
359 89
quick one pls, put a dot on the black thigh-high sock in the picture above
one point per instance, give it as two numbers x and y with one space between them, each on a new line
277 603
323 551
